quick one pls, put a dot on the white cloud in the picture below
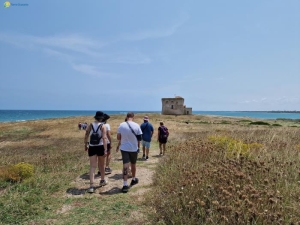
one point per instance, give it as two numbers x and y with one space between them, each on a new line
60 55
128 57
157 33
72 42
75 49
83 53
88 69
273 101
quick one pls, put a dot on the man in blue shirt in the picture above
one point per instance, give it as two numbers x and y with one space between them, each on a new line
147 130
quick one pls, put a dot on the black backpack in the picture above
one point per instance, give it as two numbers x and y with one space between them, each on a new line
95 136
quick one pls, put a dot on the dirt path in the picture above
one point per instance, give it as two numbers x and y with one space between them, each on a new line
145 171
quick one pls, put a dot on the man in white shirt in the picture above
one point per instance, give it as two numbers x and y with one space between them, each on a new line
130 135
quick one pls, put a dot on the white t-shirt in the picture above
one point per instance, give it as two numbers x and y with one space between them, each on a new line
95 126
107 129
129 142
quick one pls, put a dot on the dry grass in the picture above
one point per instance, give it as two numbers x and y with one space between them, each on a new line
202 182
197 181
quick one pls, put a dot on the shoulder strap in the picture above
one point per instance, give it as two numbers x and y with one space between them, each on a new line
100 126
92 127
145 127
130 128
163 128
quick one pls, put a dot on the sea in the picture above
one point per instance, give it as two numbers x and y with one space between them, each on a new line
24 115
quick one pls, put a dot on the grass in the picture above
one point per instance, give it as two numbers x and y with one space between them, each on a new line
225 122
245 121
242 175
259 123
55 148
213 173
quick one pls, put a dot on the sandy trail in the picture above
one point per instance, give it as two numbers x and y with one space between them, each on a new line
145 172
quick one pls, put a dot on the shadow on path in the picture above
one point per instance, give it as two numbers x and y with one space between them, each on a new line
113 191
85 176
76 191
157 156
116 177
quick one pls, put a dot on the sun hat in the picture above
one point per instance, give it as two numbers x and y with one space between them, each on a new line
146 118
99 115
105 116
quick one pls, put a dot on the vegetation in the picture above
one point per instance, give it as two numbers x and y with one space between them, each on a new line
259 123
212 173
249 177
39 162
16 173
245 121
291 120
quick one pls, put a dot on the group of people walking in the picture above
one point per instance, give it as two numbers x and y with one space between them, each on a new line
82 126
98 144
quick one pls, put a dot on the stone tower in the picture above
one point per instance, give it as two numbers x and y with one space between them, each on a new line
174 106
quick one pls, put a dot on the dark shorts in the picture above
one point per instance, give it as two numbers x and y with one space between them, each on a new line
96 150
129 157
163 140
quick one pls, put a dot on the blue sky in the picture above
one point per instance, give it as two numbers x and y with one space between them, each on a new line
127 55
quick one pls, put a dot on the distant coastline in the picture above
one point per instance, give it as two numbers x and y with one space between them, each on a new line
25 115
274 111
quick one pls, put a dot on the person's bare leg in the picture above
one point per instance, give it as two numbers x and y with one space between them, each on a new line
147 151
93 166
108 157
160 148
164 147
101 164
144 149
129 170
125 171
133 170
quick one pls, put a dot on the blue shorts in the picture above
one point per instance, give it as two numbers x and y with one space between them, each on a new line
146 144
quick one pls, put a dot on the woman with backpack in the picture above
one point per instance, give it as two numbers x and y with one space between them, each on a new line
162 137
95 142
109 146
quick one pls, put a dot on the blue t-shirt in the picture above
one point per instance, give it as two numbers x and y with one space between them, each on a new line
147 130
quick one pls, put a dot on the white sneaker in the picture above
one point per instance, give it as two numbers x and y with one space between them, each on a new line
103 183
91 190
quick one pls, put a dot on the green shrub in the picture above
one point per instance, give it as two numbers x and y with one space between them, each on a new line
225 122
259 123
16 173
25 170
245 121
